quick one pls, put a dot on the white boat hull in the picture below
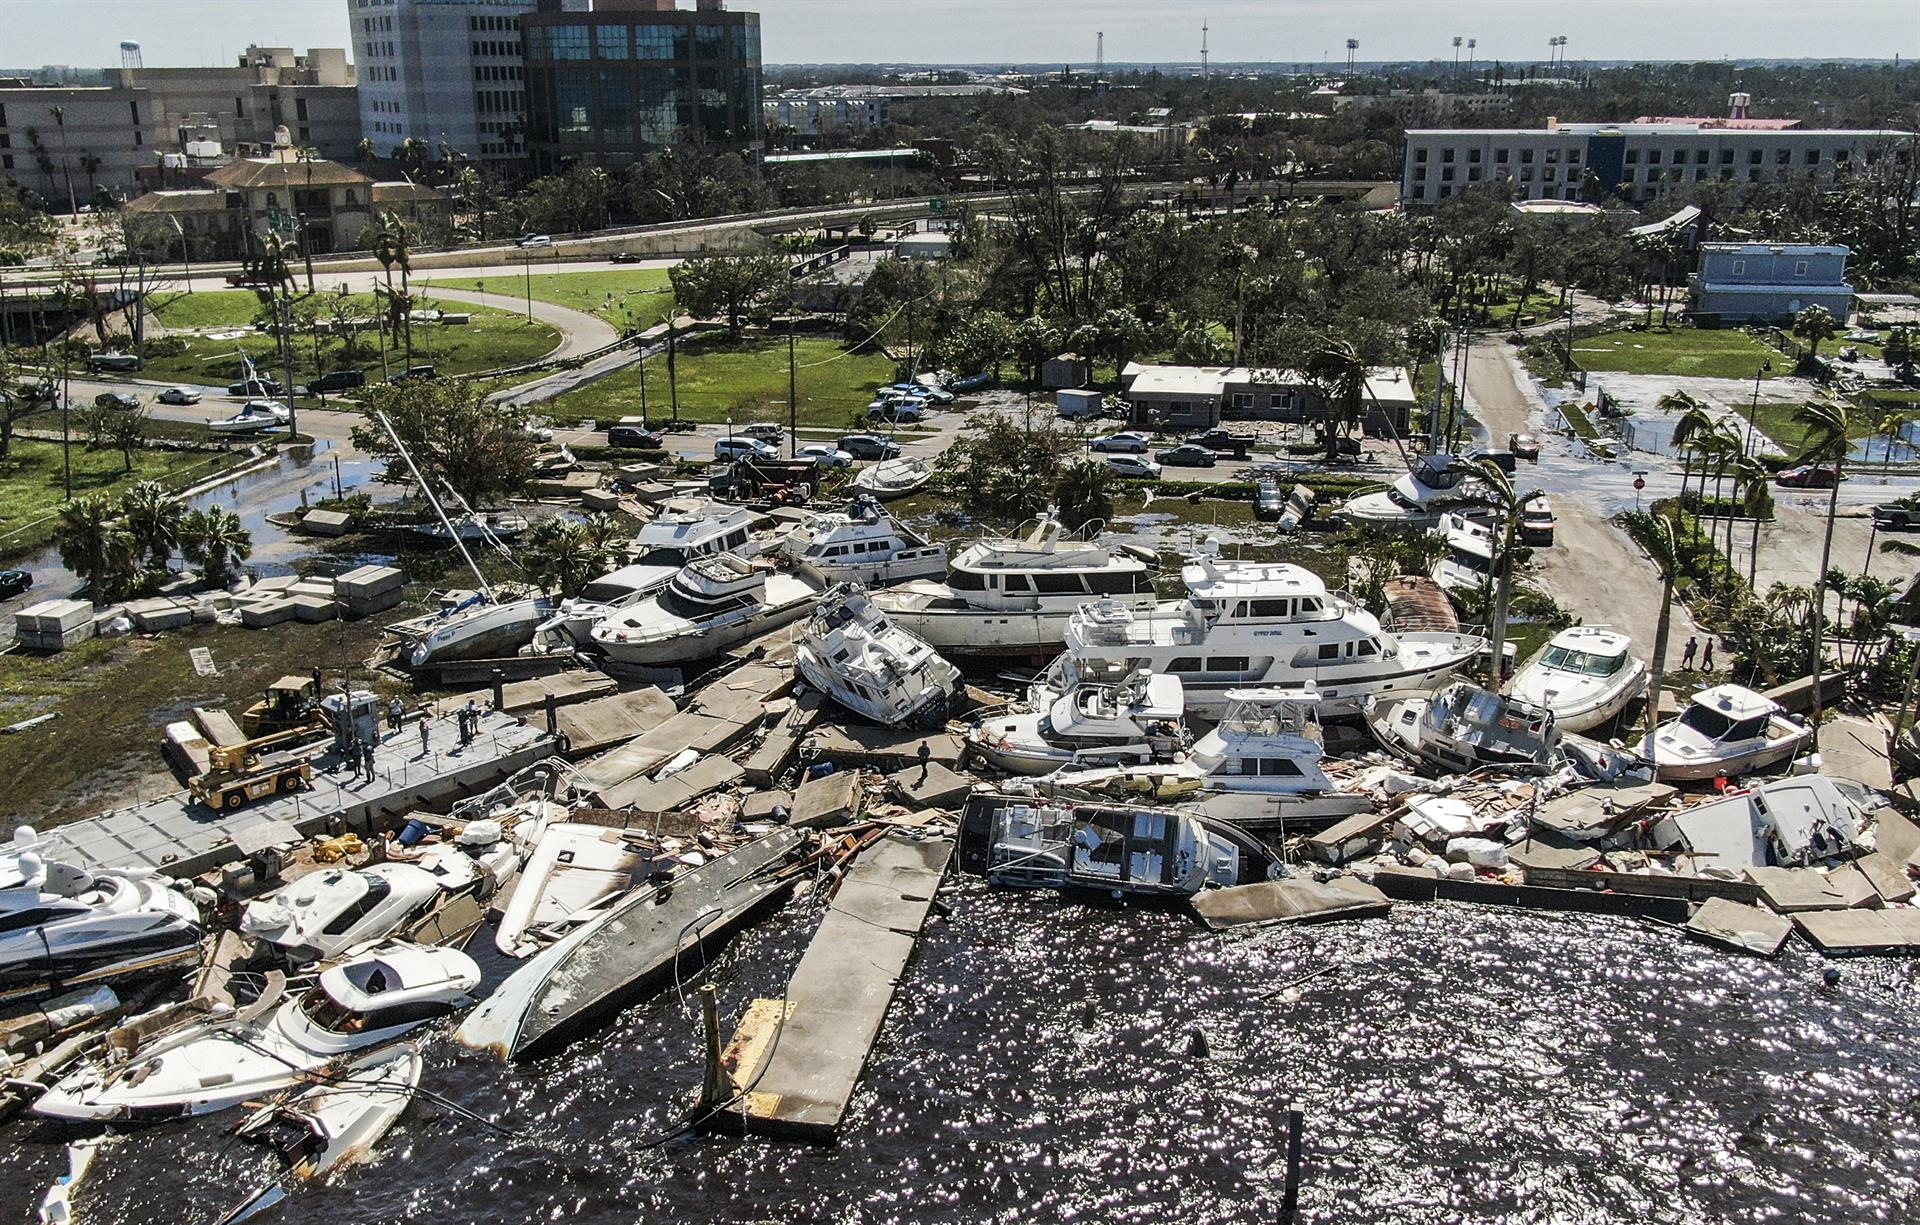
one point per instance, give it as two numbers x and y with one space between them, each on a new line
703 642
487 632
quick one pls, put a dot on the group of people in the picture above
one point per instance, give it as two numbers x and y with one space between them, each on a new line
1692 649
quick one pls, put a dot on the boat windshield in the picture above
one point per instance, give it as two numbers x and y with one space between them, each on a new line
1586 663
664 557
1716 726
1470 561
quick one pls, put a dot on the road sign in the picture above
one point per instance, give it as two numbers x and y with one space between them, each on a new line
1639 483
937 206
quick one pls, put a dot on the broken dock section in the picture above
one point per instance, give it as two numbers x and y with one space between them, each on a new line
795 1062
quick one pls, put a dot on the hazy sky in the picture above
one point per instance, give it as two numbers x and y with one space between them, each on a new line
87 33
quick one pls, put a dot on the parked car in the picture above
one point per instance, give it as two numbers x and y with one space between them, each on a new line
534 240
415 372
179 395
120 363
336 380
1134 466
824 453
1896 518
39 393
1810 476
738 447
13 582
972 382
1128 442
1503 460
765 431
1214 440
1524 446
1536 522
900 412
1187 455
935 395
116 399
624 257
1268 501
258 385
869 446
636 436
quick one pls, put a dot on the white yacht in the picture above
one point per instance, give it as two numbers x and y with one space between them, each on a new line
712 604
1417 500
863 545
1464 727
1585 675
1728 729
894 478
1259 766
365 1002
253 417
329 911
1256 624
1136 720
479 626
853 653
1466 560
1110 851
1013 595
684 529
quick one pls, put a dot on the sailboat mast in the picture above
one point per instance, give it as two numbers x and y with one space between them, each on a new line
434 502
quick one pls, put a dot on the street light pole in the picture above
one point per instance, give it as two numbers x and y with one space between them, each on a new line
186 256
793 396
526 259
1753 408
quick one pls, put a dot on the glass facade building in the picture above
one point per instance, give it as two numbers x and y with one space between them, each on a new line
609 85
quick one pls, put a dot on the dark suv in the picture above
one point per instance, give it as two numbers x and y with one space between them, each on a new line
869 446
635 437
337 380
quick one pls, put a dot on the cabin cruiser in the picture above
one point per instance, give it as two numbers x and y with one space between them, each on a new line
864 545
475 626
1728 729
326 912
1585 675
1111 850
894 478
854 654
1466 560
1417 500
364 1002
684 529
712 604
254 416
1135 720
573 869
64 927
1260 765
1464 727
1013 595
1256 624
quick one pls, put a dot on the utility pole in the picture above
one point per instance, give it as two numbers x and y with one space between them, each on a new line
1457 40
526 259
793 395
1099 58
1206 73
673 375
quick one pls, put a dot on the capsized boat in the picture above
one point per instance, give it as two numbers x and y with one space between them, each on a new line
863 544
62 927
1110 850
490 527
1466 558
1585 675
1727 729
712 604
573 868
627 944
1133 721
326 912
852 652
1417 500
317 1130
894 478
367 1001
253 417
1464 727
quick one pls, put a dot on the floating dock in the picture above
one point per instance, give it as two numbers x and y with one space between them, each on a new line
797 1060
181 837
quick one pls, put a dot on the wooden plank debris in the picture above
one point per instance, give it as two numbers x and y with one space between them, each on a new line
1739 927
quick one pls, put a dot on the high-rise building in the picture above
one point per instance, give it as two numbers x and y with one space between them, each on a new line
442 72
610 80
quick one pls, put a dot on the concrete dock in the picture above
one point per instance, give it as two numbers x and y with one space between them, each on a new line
798 1060
181 837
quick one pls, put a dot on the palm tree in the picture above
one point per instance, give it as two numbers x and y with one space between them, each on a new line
214 540
1892 427
95 544
363 151
1754 500
1694 420
391 246
1499 494
560 555
1824 442
59 114
1660 545
1813 325
1084 493
153 518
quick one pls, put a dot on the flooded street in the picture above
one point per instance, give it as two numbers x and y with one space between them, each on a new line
1457 1064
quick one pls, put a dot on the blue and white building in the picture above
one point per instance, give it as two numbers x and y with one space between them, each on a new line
1757 282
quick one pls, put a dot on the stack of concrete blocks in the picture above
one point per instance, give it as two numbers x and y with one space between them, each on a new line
161 613
54 625
314 600
267 601
369 589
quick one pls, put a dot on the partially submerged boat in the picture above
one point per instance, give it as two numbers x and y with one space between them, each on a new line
367 1001
573 868
1585 675
712 604
1727 729
626 945
1108 850
1133 721
894 478
326 912
852 652
864 545
1464 728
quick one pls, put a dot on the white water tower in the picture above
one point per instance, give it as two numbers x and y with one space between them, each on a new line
130 55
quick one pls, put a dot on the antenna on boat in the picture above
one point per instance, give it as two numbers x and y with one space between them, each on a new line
434 502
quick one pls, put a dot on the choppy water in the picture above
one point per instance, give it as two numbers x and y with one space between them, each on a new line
1460 1065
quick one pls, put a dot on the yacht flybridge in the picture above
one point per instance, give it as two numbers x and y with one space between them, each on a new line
1416 501
1012 595
1256 624
1131 722
852 652
863 544
712 605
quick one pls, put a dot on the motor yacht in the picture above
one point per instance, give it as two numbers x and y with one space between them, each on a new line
1013 595
62 927
863 545
1255 625
894 478
1107 850
1135 720
364 1002
253 417
1417 500
1585 675
711 605
1464 727
329 911
1728 729
476 626
854 654
1466 559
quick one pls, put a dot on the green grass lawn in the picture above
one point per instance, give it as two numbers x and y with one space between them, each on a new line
494 339
31 486
644 293
1723 353
749 379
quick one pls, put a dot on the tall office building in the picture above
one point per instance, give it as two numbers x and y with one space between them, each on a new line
442 72
610 80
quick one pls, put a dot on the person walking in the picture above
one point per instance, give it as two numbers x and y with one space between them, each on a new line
1686 656
1706 664
424 747
353 759
366 758
396 714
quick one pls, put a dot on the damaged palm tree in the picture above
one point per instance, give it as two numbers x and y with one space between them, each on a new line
1498 493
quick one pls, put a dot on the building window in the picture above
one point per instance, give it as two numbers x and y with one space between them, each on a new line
569 42
610 42
1446 173
653 42
1799 267
616 106
709 42
1419 155
1782 157
1653 157
1753 157
1813 157
1526 157
1726 157
573 105
537 43
1446 155
1739 267
1473 156
1700 157
1500 157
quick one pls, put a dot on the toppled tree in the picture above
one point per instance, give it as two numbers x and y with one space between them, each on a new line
458 439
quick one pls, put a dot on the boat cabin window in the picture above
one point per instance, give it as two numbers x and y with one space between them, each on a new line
1273 608
1060 584
1262 767
1305 605
1329 650
664 557
967 580
1018 582
324 1012
1586 663
377 891
736 537
20 920
1119 582
1227 663
1368 647
1185 663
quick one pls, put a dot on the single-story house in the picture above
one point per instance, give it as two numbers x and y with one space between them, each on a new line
1176 398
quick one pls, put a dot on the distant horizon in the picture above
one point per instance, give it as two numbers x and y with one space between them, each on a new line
847 34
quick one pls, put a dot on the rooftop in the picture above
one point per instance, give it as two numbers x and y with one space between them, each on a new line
1687 128
286 171
1744 125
